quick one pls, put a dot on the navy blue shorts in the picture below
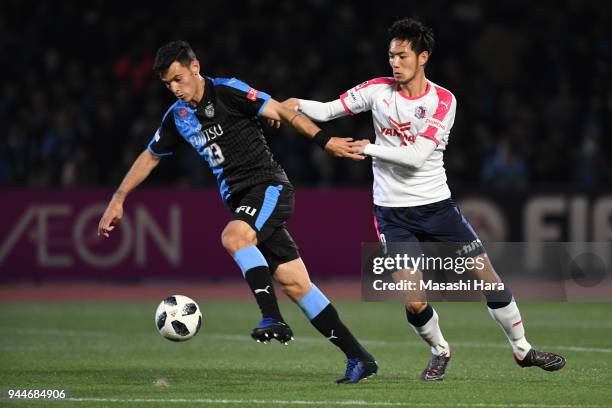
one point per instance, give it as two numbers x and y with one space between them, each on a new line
441 221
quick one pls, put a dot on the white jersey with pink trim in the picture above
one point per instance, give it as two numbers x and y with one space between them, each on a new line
398 121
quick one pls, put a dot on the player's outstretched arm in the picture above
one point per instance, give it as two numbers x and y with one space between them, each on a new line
338 146
412 155
317 111
140 170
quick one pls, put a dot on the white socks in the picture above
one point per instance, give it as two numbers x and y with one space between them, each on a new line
431 333
509 318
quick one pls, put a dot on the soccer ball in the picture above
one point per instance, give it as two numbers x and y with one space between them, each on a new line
178 318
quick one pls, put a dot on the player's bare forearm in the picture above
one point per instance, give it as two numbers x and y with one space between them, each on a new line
300 122
139 171
337 146
274 110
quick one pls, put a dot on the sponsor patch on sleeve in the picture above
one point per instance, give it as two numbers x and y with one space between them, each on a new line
252 94
435 123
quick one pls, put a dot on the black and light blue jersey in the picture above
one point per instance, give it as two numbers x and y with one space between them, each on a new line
225 131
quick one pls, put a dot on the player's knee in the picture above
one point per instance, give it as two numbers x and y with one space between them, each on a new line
415 307
235 237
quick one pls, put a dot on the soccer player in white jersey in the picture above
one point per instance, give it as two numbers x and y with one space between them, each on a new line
412 119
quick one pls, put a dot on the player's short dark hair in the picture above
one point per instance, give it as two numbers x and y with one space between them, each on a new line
420 36
174 51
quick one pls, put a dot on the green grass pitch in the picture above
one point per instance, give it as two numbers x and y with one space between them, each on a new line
109 354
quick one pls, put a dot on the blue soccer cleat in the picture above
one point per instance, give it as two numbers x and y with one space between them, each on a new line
272 329
357 370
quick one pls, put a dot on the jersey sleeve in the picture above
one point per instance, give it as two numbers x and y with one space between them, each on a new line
440 123
413 155
361 97
242 97
166 139
321 111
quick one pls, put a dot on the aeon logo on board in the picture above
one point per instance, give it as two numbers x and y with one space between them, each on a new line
63 235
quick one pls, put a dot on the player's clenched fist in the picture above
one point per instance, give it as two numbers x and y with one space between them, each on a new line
111 216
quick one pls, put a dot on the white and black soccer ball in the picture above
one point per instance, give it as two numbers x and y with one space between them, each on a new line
178 318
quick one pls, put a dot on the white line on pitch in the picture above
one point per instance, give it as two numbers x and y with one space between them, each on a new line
325 403
469 344
237 337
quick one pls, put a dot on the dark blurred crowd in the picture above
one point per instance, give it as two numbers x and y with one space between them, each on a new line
79 101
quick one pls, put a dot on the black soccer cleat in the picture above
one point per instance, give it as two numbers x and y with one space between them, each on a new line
272 329
543 359
436 367
357 370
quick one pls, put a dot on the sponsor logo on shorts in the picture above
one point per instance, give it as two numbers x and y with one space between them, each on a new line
246 209
469 247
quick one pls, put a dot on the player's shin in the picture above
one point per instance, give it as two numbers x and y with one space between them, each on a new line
324 317
257 274
509 318
426 324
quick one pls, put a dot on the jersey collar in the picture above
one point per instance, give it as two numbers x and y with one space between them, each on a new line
414 98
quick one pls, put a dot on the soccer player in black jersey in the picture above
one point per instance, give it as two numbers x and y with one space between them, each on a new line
218 118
